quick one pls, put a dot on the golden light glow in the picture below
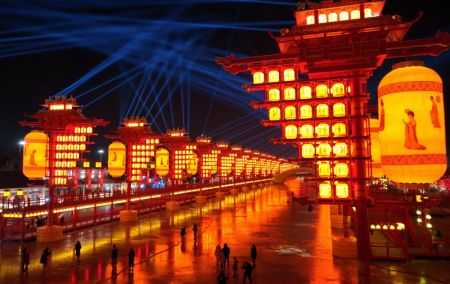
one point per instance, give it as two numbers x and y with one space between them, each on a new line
339 129
322 18
289 74
116 159
192 164
325 190
322 110
323 130
339 109
308 151
274 113
355 15
341 170
324 169
274 76
368 13
35 155
290 132
310 20
162 161
274 95
289 94
305 92
322 91
332 17
290 112
258 78
324 150
341 190
338 90
306 131
375 148
340 149
412 124
343 16
305 112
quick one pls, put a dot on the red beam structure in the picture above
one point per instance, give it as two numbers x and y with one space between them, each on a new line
69 133
316 90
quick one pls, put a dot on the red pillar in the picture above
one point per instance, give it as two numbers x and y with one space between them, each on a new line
358 107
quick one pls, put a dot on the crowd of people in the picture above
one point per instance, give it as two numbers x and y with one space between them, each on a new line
223 263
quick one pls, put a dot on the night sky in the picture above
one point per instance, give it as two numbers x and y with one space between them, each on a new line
156 59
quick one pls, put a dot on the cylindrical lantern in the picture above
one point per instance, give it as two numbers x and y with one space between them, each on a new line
375 148
192 164
35 155
412 124
116 159
162 162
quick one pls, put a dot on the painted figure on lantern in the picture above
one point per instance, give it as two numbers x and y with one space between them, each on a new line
381 115
410 132
434 112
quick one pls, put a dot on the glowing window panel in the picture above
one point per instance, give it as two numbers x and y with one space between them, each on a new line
338 90
274 113
306 131
323 130
322 18
324 150
290 132
332 17
310 20
325 190
289 74
339 129
339 109
322 110
343 16
308 151
305 92
289 94
355 15
322 91
274 76
341 170
340 149
368 13
258 78
341 190
290 112
324 169
274 95
305 112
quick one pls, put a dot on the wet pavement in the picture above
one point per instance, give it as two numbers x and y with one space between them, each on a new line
294 246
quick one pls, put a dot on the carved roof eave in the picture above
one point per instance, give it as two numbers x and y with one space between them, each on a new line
352 26
63 117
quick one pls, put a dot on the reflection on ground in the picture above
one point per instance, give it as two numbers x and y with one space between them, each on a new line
294 246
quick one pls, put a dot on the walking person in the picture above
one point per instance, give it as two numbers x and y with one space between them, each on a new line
217 253
131 255
222 278
195 231
78 249
253 254
235 268
247 267
44 257
114 256
226 252
183 233
25 259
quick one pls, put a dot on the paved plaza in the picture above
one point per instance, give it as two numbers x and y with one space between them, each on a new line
294 246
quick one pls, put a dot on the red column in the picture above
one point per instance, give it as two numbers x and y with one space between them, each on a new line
358 106
51 180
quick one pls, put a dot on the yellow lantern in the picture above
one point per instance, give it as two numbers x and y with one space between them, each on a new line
35 155
162 162
324 169
290 112
116 159
412 124
325 190
341 190
290 132
258 78
274 95
375 148
274 113
308 151
192 164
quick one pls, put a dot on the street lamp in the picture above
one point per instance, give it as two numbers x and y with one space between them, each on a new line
100 152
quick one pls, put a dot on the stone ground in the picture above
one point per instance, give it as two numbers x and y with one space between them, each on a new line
294 246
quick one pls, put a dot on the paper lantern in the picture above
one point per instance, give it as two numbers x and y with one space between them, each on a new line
412 124
116 159
192 164
162 162
35 155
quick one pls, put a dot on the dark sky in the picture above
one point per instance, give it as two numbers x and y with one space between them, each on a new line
46 46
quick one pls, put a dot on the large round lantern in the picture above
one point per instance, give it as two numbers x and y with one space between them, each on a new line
412 124
375 148
192 164
35 155
162 162
116 159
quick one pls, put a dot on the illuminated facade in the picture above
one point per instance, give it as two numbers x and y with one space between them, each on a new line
208 158
68 133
